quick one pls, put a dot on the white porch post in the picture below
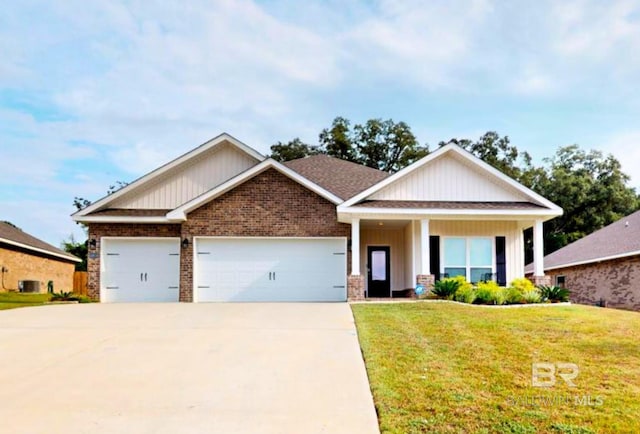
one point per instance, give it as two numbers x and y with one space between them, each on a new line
538 249
355 247
425 255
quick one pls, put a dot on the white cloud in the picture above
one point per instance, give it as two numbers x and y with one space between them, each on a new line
625 146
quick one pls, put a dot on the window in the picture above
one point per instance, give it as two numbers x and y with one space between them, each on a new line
468 257
560 281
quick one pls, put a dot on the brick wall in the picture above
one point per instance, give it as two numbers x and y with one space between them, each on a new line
98 230
268 205
23 265
615 282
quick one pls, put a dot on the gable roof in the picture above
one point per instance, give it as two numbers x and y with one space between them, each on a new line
469 158
180 213
342 178
618 240
146 179
15 237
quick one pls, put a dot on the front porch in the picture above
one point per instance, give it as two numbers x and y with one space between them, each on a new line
390 256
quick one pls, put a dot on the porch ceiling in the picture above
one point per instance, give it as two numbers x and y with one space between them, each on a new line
386 224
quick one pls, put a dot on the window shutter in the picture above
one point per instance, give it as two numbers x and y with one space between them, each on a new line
501 261
434 252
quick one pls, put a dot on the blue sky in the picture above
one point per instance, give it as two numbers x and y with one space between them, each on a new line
100 91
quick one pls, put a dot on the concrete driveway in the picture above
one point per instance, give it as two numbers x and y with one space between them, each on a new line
183 368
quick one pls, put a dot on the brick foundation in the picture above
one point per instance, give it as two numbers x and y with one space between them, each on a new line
541 280
426 280
355 288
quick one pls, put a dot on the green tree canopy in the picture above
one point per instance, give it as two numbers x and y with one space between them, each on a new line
381 144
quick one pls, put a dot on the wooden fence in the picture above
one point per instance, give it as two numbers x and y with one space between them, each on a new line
80 280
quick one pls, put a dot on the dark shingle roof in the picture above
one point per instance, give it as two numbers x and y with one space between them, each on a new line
340 177
121 212
618 239
12 236
446 204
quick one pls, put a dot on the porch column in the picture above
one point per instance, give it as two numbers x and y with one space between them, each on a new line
425 256
355 247
538 249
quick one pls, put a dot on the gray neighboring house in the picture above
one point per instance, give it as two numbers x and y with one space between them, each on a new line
602 268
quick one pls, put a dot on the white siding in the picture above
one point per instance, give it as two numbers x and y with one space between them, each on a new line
509 229
449 179
394 238
185 182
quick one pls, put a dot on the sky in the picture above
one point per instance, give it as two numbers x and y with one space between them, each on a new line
97 92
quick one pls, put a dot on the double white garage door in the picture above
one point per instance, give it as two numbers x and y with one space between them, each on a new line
225 269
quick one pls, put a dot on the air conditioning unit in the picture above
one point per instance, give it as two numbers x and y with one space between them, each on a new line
29 285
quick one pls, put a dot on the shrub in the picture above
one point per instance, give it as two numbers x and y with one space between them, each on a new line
465 294
532 296
445 287
489 293
523 284
513 295
553 293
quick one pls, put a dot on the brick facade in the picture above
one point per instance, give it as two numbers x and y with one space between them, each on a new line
267 205
99 230
355 288
614 283
23 264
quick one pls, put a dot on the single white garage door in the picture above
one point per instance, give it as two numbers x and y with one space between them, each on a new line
137 270
270 269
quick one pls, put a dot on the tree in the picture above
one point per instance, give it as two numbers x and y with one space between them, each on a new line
592 190
292 150
77 249
337 140
386 145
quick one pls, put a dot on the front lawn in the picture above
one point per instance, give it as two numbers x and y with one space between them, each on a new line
11 300
444 367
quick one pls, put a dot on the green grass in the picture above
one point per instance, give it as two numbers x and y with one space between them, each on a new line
440 367
12 300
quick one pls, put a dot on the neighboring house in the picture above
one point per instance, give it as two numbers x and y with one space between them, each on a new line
602 268
223 223
24 257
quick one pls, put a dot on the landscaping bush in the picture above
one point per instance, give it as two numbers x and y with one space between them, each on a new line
446 287
70 296
489 293
553 293
513 295
532 296
465 294
523 284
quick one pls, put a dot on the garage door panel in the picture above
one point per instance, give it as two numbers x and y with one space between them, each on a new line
140 270
245 269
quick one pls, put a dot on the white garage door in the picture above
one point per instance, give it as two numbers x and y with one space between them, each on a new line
136 270
270 269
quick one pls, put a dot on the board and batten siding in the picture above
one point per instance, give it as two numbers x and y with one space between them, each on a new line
182 184
511 230
449 179
394 238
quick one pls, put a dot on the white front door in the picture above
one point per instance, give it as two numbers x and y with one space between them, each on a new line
270 269
140 270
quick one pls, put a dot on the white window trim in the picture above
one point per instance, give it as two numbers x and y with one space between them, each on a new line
467 266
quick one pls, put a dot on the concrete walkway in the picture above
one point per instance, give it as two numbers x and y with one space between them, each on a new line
183 368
